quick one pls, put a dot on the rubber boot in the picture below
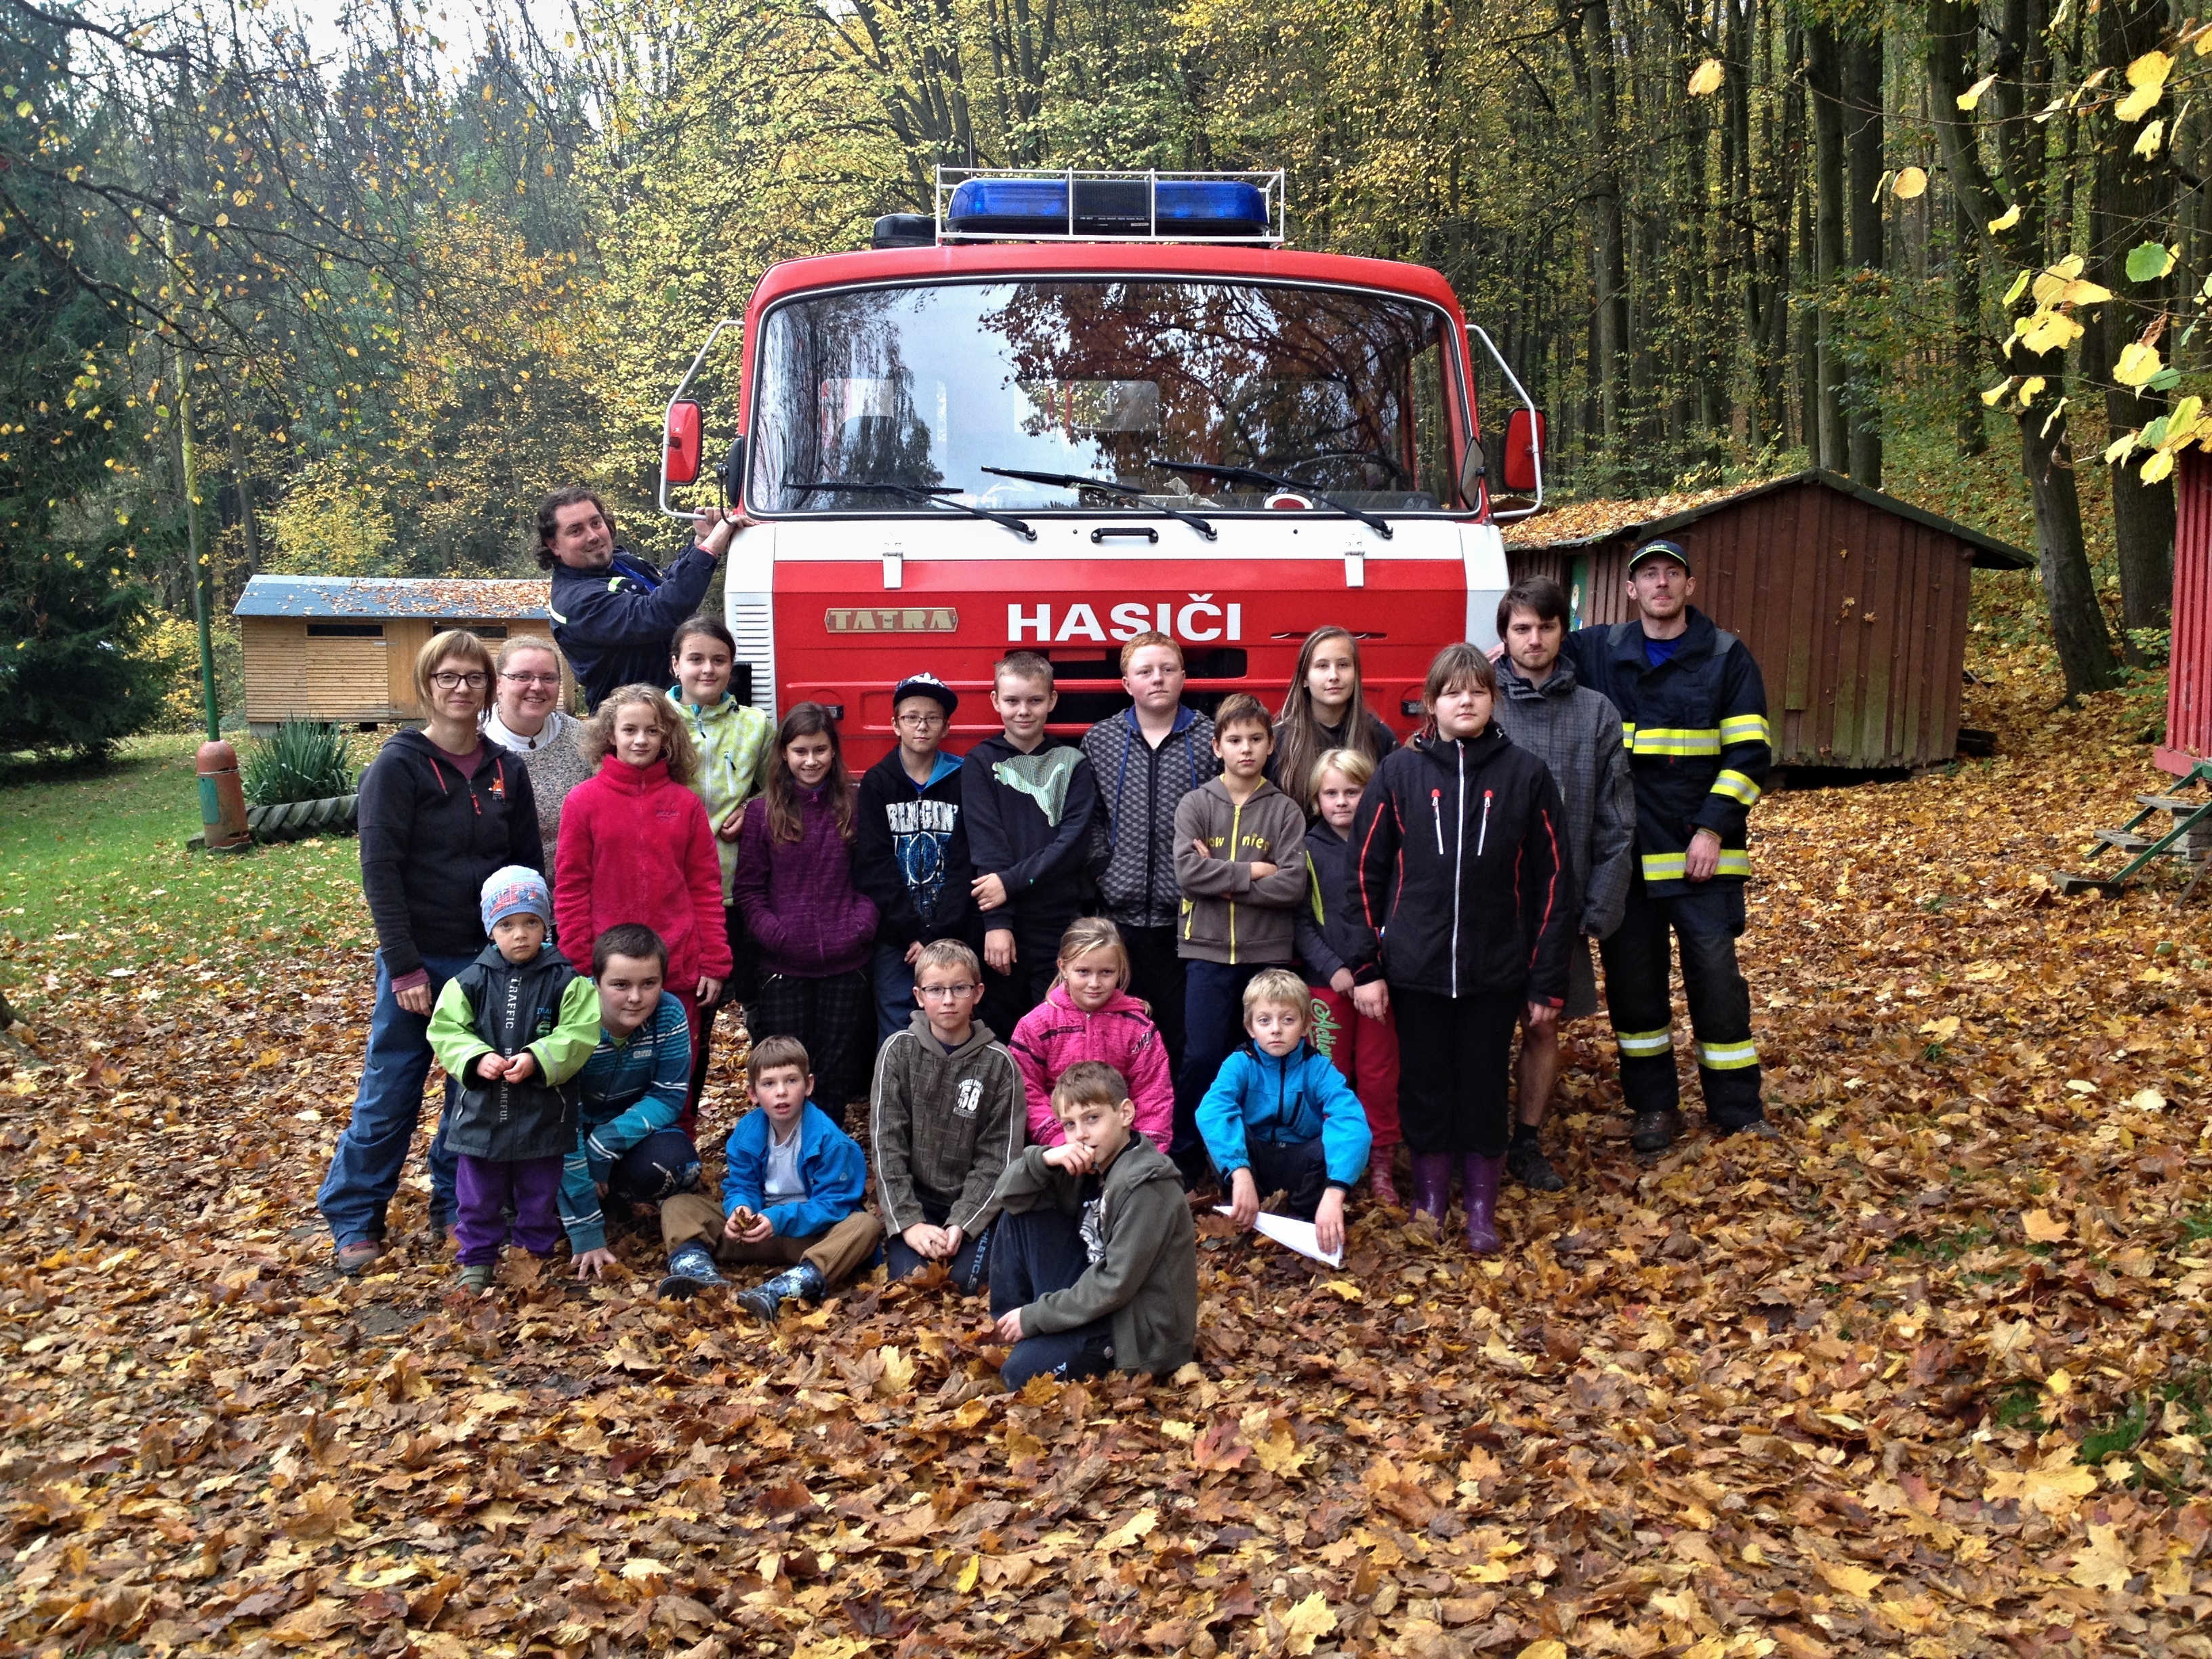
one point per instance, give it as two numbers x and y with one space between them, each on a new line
1432 1185
1481 1174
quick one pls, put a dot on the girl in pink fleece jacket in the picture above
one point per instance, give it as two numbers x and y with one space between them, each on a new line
1088 1016
635 847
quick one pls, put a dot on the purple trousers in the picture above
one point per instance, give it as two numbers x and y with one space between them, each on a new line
486 1190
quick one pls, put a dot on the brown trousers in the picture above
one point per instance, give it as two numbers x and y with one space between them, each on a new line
837 1253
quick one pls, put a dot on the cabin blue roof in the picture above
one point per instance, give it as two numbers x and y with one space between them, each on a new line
369 598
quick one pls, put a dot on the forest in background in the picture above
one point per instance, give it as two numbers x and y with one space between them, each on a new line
394 290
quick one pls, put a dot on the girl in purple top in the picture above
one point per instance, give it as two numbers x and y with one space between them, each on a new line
794 884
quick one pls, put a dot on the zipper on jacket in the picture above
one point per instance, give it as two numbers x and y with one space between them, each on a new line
1459 857
1437 811
1482 840
1236 846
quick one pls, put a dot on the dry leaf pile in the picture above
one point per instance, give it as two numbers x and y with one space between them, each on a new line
1925 1374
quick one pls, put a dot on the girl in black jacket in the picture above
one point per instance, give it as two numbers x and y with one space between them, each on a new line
1462 921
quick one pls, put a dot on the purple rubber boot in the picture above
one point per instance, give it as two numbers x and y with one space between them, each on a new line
1481 1174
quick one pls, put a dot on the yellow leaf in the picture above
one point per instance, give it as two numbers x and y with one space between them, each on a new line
2019 287
2138 363
1852 1581
2184 422
2057 1486
2052 419
2044 1227
2159 466
1912 183
2083 292
1343 1288
2147 146
1995 395
1705 80
1129 1531
968 1575
898 1375
2104 1565
1306 1623
2051 286
318 1621
1941 1029
1973 95
2049 331
643 1566
2118 449
1182 1432
1881 185
491 1405
2029 387
2149 1100
2006 219
2146 74
1549 1647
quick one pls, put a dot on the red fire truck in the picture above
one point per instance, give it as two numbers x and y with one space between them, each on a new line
1069 407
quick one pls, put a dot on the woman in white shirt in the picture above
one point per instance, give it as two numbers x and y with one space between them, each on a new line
525 717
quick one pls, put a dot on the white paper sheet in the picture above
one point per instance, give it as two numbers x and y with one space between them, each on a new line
1292 1235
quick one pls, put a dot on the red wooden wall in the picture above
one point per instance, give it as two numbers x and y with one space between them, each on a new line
2189 679
1856 617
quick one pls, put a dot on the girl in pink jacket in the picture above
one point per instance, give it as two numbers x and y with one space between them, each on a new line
1088 1016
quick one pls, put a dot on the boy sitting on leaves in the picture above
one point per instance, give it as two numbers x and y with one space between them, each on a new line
1094 1266
793 1193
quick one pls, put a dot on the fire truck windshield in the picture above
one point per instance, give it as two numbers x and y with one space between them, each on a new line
945 388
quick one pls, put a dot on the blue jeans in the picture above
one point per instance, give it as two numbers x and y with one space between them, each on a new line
892 981
1038 1252
970 1266
371 1154
1213 1025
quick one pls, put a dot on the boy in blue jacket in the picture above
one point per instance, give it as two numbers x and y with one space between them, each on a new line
1280 1116
792 1194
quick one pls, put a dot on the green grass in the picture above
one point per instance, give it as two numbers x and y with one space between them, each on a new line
95 878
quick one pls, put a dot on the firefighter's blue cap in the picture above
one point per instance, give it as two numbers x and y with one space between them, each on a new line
925 685
1661 548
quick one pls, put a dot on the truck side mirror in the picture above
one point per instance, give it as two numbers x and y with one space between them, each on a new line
684 440
1524 445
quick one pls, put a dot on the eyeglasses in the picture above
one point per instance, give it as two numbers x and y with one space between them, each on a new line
943 991
924 718
529 679
451 682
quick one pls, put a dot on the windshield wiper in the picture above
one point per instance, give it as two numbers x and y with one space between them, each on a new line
916 493
1078 481
1276 480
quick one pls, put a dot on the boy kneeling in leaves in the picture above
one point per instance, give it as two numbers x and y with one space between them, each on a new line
794 1191
1095 1263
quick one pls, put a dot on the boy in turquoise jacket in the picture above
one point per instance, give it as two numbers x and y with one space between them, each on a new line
1280 1116
793 1195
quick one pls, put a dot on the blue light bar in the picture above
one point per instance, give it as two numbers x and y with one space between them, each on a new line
1038 206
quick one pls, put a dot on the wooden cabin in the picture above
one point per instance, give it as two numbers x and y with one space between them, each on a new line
2189 661
341 648
1854 603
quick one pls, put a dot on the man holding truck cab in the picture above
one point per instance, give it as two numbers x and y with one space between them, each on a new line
613 611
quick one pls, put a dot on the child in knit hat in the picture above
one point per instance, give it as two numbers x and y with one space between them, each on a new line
512 1029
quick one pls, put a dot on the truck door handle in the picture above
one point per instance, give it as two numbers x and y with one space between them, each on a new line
1143 530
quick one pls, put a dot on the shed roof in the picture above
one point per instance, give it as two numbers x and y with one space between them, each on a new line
1580 524
456 597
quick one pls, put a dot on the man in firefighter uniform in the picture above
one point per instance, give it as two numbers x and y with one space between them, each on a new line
1694 711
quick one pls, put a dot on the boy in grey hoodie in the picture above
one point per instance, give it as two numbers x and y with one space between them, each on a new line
1096 1266
1240 861
946 1115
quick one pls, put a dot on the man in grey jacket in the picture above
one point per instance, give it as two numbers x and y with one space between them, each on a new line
1578 733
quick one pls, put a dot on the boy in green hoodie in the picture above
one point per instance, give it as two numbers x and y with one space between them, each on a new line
1094 1266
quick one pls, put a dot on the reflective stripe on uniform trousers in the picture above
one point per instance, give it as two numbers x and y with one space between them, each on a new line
1736 787
1674 867
1727 1056
1639 1045
1675 740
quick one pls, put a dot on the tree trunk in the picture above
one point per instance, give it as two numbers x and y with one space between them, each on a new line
1823 73
247 521
1608 242
2077 624
1966 324
1864 90
2133 201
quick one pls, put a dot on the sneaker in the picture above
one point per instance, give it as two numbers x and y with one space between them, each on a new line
358 1256
1526 1162
476 1276
801 1283
690 1270
1655 1131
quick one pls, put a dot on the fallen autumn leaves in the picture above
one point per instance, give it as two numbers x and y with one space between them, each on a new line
1925 1374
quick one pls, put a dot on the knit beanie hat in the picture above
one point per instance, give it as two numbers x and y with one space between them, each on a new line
513 891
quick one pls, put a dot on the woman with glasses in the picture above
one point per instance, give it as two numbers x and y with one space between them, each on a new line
526 717
440 810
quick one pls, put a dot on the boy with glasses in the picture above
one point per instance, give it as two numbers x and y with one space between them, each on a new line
910 851
945 1118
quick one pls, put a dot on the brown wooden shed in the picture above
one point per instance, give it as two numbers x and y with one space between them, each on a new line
341 648
1854 603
